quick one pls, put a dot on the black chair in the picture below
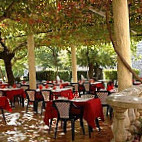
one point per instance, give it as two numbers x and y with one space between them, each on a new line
18 98
2 111
25 87
31 97
75 87
87 87
102 95
81 89
92 89
65 114
18 85
1 93
46 94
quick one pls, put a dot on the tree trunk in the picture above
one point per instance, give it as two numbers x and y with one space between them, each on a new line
8 68
91 69
98 72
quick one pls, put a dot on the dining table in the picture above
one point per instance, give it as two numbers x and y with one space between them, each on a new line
10 93
55 93
4 104
92 109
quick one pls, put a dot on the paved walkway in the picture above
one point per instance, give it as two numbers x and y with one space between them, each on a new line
29 127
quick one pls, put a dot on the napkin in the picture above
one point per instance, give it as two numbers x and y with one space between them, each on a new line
40 87
14 86
46 86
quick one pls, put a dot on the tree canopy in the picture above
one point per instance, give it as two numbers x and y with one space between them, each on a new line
59 24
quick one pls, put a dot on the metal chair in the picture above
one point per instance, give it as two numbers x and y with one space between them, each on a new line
46 94
31 97
65 114
81 89
92 89
2 111
102 95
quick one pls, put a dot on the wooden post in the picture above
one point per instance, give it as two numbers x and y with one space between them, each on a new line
31 61
122 37
74 66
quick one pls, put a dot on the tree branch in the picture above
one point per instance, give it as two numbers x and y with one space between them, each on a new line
18 58
6 12
19 46
3 45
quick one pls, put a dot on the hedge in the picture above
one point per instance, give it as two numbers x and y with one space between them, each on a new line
64 75
111 74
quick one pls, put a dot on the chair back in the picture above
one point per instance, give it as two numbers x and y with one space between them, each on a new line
81 88
25 87
92 89
46 95
87 86
102 95
63 108
30 93
18 85
75 86
1 93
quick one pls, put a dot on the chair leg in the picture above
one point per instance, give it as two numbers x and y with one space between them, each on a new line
82 125
21 101
27 107
3 115
50 125
35 106
42 107
73 126
110 112
89 130
65 126
55 135
97 124
107 111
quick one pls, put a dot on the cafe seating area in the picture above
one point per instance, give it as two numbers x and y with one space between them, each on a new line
41 102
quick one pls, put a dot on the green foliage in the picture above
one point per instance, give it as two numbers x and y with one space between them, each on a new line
101 54
111 74
63 74
45 75
79 73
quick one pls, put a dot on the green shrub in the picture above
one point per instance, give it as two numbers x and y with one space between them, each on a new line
64 75
79 73
111 74
45 75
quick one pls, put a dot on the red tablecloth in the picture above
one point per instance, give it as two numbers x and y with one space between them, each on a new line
10 93
99 85
63 93
4 85
92 110
5 104
65 84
